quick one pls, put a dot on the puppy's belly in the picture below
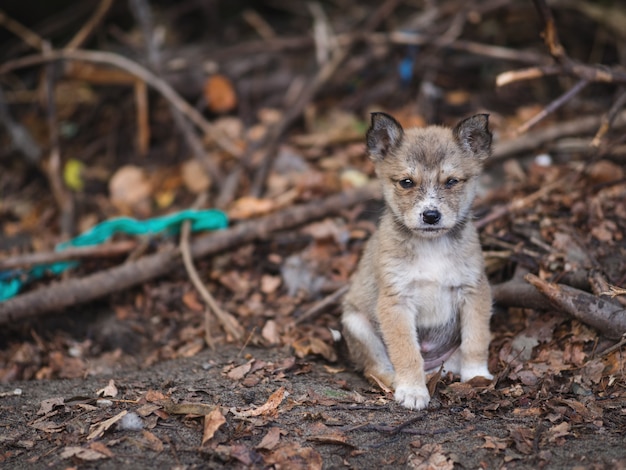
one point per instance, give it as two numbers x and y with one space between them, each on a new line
438 329
437 347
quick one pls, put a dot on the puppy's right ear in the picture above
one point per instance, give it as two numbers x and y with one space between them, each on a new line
384 135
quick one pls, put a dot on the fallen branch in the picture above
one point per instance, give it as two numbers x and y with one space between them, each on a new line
97 251
535 139
61 295
605 316
518 294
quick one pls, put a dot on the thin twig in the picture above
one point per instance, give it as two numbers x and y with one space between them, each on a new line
90 25
25 34
553 106
609 118
322 305
229 323
620 344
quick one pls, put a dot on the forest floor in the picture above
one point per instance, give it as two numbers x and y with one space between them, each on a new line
293 413
119 362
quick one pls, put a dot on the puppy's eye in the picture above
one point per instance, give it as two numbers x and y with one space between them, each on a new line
451 182
406 183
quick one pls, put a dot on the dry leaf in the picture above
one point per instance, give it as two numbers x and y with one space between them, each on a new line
130 190
333 437
49 404
153 396
240 372
315 346
101 448
192 302
195 177
198 409
430 457
153 442
271 439
523 438
269 283
247 207
212 422
271 405
270 332
497 443
81 453
558 431
99 429
294 457
220 94
109 391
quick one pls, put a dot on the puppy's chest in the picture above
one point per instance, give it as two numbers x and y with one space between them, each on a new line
430 285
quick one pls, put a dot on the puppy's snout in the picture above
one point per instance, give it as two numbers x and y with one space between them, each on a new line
431 217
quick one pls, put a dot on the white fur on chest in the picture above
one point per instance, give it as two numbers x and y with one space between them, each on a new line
430 281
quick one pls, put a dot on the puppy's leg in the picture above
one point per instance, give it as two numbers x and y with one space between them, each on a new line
397 325
366 347
475 334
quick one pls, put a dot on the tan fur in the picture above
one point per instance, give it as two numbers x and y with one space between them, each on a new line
419 297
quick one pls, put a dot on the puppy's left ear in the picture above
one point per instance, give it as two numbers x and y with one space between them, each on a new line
473 135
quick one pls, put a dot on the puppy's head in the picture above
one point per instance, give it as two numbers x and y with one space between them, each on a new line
429 175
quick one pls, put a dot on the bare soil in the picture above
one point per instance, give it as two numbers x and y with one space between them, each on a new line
329 418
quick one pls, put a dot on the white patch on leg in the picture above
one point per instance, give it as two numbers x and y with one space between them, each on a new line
470 371
361 328
453 363
412 396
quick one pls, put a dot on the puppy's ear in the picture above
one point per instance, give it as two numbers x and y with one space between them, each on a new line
384 135
473 135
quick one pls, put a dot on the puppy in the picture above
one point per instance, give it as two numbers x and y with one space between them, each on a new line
420 298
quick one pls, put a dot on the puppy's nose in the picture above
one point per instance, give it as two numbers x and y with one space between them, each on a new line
431 217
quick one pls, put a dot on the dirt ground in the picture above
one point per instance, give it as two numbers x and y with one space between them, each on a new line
321 417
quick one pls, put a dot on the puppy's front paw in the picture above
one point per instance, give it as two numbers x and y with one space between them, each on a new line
476 370
412 397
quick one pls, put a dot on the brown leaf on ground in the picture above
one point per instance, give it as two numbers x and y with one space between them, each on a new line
212 422
152 441
314 346
220 94
97 430
240 372
109 391
271 439
292 456
154 396
130 190
497 443
48 405
556 433
523 439
196 409
268 407
82 453
430 457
